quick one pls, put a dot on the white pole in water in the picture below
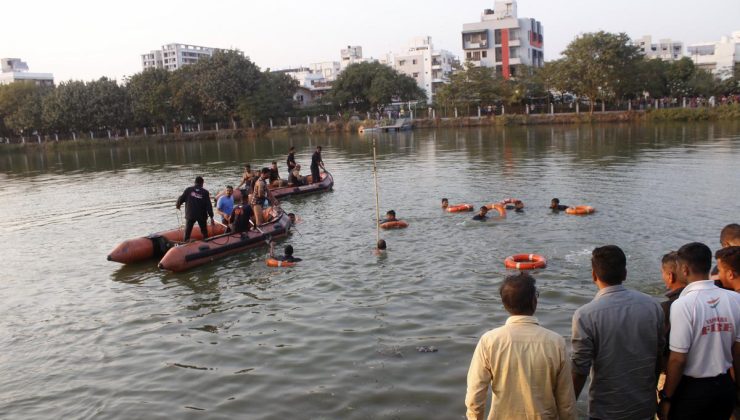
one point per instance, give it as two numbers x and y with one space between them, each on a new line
377 196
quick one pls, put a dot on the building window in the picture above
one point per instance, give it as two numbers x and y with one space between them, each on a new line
484 54
402 63
413 61
416 75
499 54
497 36
469 55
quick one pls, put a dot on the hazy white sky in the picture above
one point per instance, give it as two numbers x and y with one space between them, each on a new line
86 39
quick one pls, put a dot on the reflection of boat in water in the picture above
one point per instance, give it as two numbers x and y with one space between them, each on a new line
156 244
326 184
401 124
193 254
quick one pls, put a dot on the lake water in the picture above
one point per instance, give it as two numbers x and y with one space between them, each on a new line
335 337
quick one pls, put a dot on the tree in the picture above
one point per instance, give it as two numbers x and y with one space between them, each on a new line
108 102
67 108
596 66
150 94
20 106
365 86
272 99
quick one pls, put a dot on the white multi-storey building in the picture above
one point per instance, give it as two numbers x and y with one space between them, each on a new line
504 41
717 57
665 49
420 61
15 70
351 55
174 56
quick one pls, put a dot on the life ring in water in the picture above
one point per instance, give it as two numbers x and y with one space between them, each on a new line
396 224
458 208
525 262
272 262
499 207
511 203
580 210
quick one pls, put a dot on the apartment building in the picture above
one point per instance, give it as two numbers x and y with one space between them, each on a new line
665 49
504 41
16 70
419 60
717 57
173 56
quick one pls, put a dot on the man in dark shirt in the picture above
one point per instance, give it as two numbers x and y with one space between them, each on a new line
675 282
390 216
198 208
481 216
275 180
241 218
316 163
291 159
556 206
288 257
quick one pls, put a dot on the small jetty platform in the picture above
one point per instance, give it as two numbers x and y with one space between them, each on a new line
401 124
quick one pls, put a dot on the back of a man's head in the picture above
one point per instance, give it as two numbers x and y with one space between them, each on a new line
697 257
609 264
198 180
730 235
518 294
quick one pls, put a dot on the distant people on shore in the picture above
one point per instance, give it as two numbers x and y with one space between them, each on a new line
198 208
555 205
617 338
524 364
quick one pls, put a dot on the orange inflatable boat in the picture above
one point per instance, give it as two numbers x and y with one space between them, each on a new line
156 244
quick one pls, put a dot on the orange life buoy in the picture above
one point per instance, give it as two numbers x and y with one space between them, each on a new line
396 224
499 207
510 203
580 210
525 262
272 262
457 208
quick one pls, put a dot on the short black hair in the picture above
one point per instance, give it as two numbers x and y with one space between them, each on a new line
730 233
265 170
288 250
518 293
382 244
274 162
318 147
697 256
483 208
199 180
391 212
730 257
610 264
444 199
555 200
670 259
229 187
247 166
291 148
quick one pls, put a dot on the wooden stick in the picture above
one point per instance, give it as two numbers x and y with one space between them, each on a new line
377 196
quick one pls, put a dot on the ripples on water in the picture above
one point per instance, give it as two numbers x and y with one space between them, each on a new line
335 337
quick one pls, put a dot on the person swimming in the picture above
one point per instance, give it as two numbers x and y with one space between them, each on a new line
556 206
481 216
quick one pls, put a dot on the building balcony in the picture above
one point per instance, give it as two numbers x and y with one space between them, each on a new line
515 43
475 45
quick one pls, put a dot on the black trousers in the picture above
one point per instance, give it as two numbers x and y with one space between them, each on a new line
703 398
315 176
189 228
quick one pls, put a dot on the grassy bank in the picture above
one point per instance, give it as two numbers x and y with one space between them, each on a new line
721 113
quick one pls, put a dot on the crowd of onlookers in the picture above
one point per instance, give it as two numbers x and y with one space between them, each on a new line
677 359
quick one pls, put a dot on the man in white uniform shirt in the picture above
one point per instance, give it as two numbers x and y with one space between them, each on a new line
704 344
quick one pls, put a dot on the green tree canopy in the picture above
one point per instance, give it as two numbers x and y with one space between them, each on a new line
365 86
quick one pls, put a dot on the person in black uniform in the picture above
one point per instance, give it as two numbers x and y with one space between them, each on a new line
241 217
288 257
316 163
556 206
291 159
198 208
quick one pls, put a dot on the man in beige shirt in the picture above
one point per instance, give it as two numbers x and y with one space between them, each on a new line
527 366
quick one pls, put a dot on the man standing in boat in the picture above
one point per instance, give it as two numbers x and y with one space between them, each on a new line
316 163
259 195
197 208
291 159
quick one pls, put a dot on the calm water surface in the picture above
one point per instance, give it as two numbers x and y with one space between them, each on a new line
335 337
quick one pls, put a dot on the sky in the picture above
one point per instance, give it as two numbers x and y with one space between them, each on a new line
86 40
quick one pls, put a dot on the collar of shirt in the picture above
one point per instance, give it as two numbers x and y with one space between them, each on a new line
610 289
698 285
522 319
674 293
